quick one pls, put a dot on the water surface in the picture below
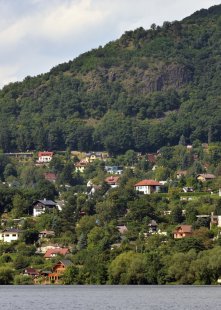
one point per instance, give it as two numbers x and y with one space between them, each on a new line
110 297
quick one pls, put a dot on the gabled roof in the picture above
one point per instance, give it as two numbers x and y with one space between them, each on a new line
50 176
184 228
206 176
112 180
66 262
11 230
81 163
45 154
46 202
47 232
147 183
151 157
122 229
56 251
181 172
31 271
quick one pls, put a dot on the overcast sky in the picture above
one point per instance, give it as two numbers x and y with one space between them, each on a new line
36 35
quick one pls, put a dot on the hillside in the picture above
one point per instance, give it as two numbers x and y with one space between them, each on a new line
142 91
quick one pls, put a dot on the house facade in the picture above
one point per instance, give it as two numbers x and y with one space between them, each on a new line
41 206
50 176
182 231
58 270
80 166
10 235
45 157
46 234
147 187
113 181
205 177
114 169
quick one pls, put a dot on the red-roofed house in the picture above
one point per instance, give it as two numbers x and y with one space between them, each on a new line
182 231
50 176
45 157
152 157
50 253
29 271
147 186
112 181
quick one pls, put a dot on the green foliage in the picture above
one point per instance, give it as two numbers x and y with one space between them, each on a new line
30 236
128 268
23 280
120 97
6 275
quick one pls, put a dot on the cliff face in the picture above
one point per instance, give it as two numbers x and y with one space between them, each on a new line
169 76
164 77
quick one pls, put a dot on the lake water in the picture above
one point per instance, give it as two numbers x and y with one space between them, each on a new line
110 297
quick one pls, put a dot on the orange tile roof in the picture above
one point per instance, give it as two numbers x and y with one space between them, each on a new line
147 183
56 251
183 228
45 154
112 180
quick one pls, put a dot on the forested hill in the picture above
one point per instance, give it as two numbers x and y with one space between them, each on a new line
142 91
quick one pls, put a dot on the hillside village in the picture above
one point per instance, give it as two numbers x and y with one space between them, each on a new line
91 218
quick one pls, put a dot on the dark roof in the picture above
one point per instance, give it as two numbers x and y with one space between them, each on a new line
66 262
31 271
12 230
46 202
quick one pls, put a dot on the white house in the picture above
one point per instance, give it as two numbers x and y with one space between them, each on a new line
41 206
113 169
9 235
113 181
45 157
147 186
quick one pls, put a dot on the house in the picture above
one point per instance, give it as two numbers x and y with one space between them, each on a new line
80 166
9 235
50 176
113 169
41 206
122 229
92 156
187 189
112 181
215 220
152 226
181 173
147 186
93 189
152 157
42 249
182 231
46 234
50 253
32 272
44 157
205 177
58 269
